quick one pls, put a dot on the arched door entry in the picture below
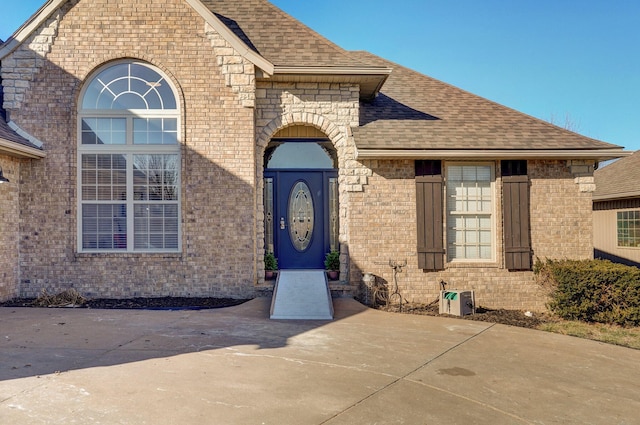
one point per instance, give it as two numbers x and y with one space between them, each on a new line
300 203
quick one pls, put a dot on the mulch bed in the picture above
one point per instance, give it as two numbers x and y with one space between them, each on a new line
162 303
73 299
502 316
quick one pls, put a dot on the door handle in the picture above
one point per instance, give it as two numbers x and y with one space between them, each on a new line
282 225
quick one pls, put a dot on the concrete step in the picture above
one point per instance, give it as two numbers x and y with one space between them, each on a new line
302 295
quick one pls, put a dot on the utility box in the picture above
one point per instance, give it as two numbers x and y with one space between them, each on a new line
457 302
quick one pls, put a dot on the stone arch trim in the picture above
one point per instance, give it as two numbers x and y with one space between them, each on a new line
339 138
287 120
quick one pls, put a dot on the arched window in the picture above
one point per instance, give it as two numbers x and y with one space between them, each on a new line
128 161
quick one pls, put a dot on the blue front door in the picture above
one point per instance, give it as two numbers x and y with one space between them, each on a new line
300 218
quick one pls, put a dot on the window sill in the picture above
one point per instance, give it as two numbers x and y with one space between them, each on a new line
472 265
128 254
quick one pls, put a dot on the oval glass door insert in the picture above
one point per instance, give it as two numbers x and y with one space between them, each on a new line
301 216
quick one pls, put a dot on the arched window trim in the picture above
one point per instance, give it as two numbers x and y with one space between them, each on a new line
135 137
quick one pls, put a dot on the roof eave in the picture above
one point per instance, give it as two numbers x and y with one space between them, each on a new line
370 78
10 148
616 196
586 154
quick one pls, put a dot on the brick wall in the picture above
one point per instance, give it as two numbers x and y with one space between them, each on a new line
9 228
43 80
382 220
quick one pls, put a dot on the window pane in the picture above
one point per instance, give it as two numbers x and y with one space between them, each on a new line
104 178
104 226
156 177
155 131
156 226
104 131
300 155
469 208
128 86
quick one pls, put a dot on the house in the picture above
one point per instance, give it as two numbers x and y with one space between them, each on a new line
616 211
159 148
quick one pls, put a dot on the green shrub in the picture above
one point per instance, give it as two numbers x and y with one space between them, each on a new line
270 261
592 290
332 260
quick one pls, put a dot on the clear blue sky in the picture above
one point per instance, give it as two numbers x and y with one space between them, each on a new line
552 59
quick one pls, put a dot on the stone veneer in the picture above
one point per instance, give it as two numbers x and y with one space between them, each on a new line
382 221
331 108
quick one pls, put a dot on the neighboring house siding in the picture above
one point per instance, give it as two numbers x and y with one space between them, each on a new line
9 228
218 163
605 235
383 228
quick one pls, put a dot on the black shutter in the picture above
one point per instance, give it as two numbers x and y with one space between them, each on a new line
515 193
429 215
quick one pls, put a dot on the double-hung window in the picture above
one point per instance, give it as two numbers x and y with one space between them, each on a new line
470 212
128 162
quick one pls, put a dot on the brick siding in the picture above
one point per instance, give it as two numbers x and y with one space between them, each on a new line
218 175
9 228
382 220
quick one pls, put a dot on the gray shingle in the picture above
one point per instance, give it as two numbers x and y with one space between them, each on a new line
414 111
620 179
278 37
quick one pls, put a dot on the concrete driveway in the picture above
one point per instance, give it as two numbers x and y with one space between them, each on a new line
235 366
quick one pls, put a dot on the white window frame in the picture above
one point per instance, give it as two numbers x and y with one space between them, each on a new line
630 237
128 150
451 258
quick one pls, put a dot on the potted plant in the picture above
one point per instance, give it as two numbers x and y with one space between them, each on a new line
332 264
270 265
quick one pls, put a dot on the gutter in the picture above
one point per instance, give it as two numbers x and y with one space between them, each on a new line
18 150
599 155
333 70
617 196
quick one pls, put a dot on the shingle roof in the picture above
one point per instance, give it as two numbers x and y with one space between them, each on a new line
619 180
278 37
414 111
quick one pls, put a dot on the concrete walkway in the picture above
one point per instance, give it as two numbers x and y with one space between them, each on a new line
236 366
